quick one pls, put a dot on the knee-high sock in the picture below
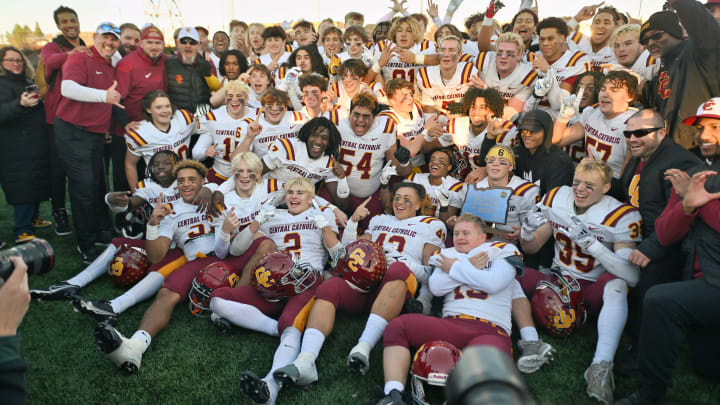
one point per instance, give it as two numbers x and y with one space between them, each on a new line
611 320
374 328
312 341
95 269
144 289
287 351
243 315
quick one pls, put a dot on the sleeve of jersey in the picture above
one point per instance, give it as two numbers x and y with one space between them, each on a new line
492 280
135 142
626 223
440 283
276 152
529 195
199 151
143 192
330 216
446 139
457 195
167 227
435 231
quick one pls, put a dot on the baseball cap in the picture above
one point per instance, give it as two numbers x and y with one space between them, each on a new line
108 28
188 32
533 121
712 3
708 109
151 32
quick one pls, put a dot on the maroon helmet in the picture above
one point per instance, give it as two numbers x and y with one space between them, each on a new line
557 304
215 275
363 266
128 266
430 368
278 276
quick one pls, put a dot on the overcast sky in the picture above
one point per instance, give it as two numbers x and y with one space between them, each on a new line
215 14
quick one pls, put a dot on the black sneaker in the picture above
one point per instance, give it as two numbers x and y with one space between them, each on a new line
395 397
254 387
101 311
88 255
60 291
413 306
103 238
62 226
222 324
645 395
628 365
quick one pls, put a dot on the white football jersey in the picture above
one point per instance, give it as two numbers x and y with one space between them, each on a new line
298 233
288 127
604 139
570 64
456 188
438 93
409 128
458 132
406 237
395 68
191 231
266 59
462 299
524 196
149 191
364 156
609 220
226 133
517 84
575 150
148 140
253 101
646 65
288 158
268 191
579 42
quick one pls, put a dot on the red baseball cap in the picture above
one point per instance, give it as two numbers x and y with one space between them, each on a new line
151 32
708 109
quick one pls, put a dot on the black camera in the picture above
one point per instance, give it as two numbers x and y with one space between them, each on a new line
37 254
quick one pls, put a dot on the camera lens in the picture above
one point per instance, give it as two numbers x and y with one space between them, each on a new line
37 254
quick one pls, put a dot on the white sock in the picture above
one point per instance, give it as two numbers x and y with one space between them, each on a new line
425 297
144 289
374 329
95 269
273 387
287 351
245 316
393 385
312 341
529 333
611 320
144 337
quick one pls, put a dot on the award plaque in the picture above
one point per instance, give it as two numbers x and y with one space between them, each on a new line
490 204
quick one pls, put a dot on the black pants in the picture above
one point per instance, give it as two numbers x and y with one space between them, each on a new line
115 152
57 173
81 154
670 310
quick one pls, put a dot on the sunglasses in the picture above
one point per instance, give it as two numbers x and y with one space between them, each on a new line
186 41
108 27
639 133
655 37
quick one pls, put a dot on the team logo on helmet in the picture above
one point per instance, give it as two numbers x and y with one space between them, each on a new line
363 266
278 276
557 304
128 266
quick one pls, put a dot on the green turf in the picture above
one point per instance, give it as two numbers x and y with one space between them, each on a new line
190 362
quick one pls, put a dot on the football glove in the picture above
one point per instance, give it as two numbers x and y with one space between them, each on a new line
580 233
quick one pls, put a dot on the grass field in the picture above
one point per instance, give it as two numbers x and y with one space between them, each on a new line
192 363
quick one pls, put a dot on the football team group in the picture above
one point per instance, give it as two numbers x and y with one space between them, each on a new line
453 186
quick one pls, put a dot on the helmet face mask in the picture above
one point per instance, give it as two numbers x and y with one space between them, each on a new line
301 277
558 304
213 276
431 366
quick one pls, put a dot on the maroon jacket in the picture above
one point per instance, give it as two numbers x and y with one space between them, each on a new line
53 55
136 76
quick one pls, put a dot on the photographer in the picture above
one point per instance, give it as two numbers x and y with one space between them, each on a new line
14 301
24 143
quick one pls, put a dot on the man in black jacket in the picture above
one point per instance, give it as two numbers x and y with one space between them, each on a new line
690 71
14 301
189 76
643 181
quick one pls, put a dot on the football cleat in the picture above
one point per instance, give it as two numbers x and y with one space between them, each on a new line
300 372
533 355
254 387
60 291
359 358
395 397
125 353
101 311
222 324
600 383
413 306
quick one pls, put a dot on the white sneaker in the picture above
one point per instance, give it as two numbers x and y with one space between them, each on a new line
533 355
359 358
301 372
600 382
125 353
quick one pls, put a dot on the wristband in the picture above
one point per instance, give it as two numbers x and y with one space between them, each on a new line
419 59
224 236
114 208
427 136
406 164
488 22
375 67
152 232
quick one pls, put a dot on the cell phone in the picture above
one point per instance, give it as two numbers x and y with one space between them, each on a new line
32 89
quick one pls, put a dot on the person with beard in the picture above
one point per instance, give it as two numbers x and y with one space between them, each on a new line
189 76
690 71
129 41
713 6
52 56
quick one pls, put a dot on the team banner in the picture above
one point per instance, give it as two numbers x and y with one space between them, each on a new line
490 204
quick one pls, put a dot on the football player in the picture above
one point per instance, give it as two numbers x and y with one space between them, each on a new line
277 54
594 235
313 90
446 193
164 128
304 60
597 46
225 130
601 127
307 232
408 238
447 82
590 83
404 52
631 54
476 308
355 38
349 84
275 121
192 232
259 79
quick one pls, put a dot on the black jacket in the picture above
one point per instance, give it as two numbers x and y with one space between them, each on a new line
13 387
24 145
690 74
547 169
186 84
654 190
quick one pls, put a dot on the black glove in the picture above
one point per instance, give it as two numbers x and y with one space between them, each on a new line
205 69
402 154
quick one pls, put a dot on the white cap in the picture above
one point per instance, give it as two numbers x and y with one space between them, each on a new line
188 32
708 109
